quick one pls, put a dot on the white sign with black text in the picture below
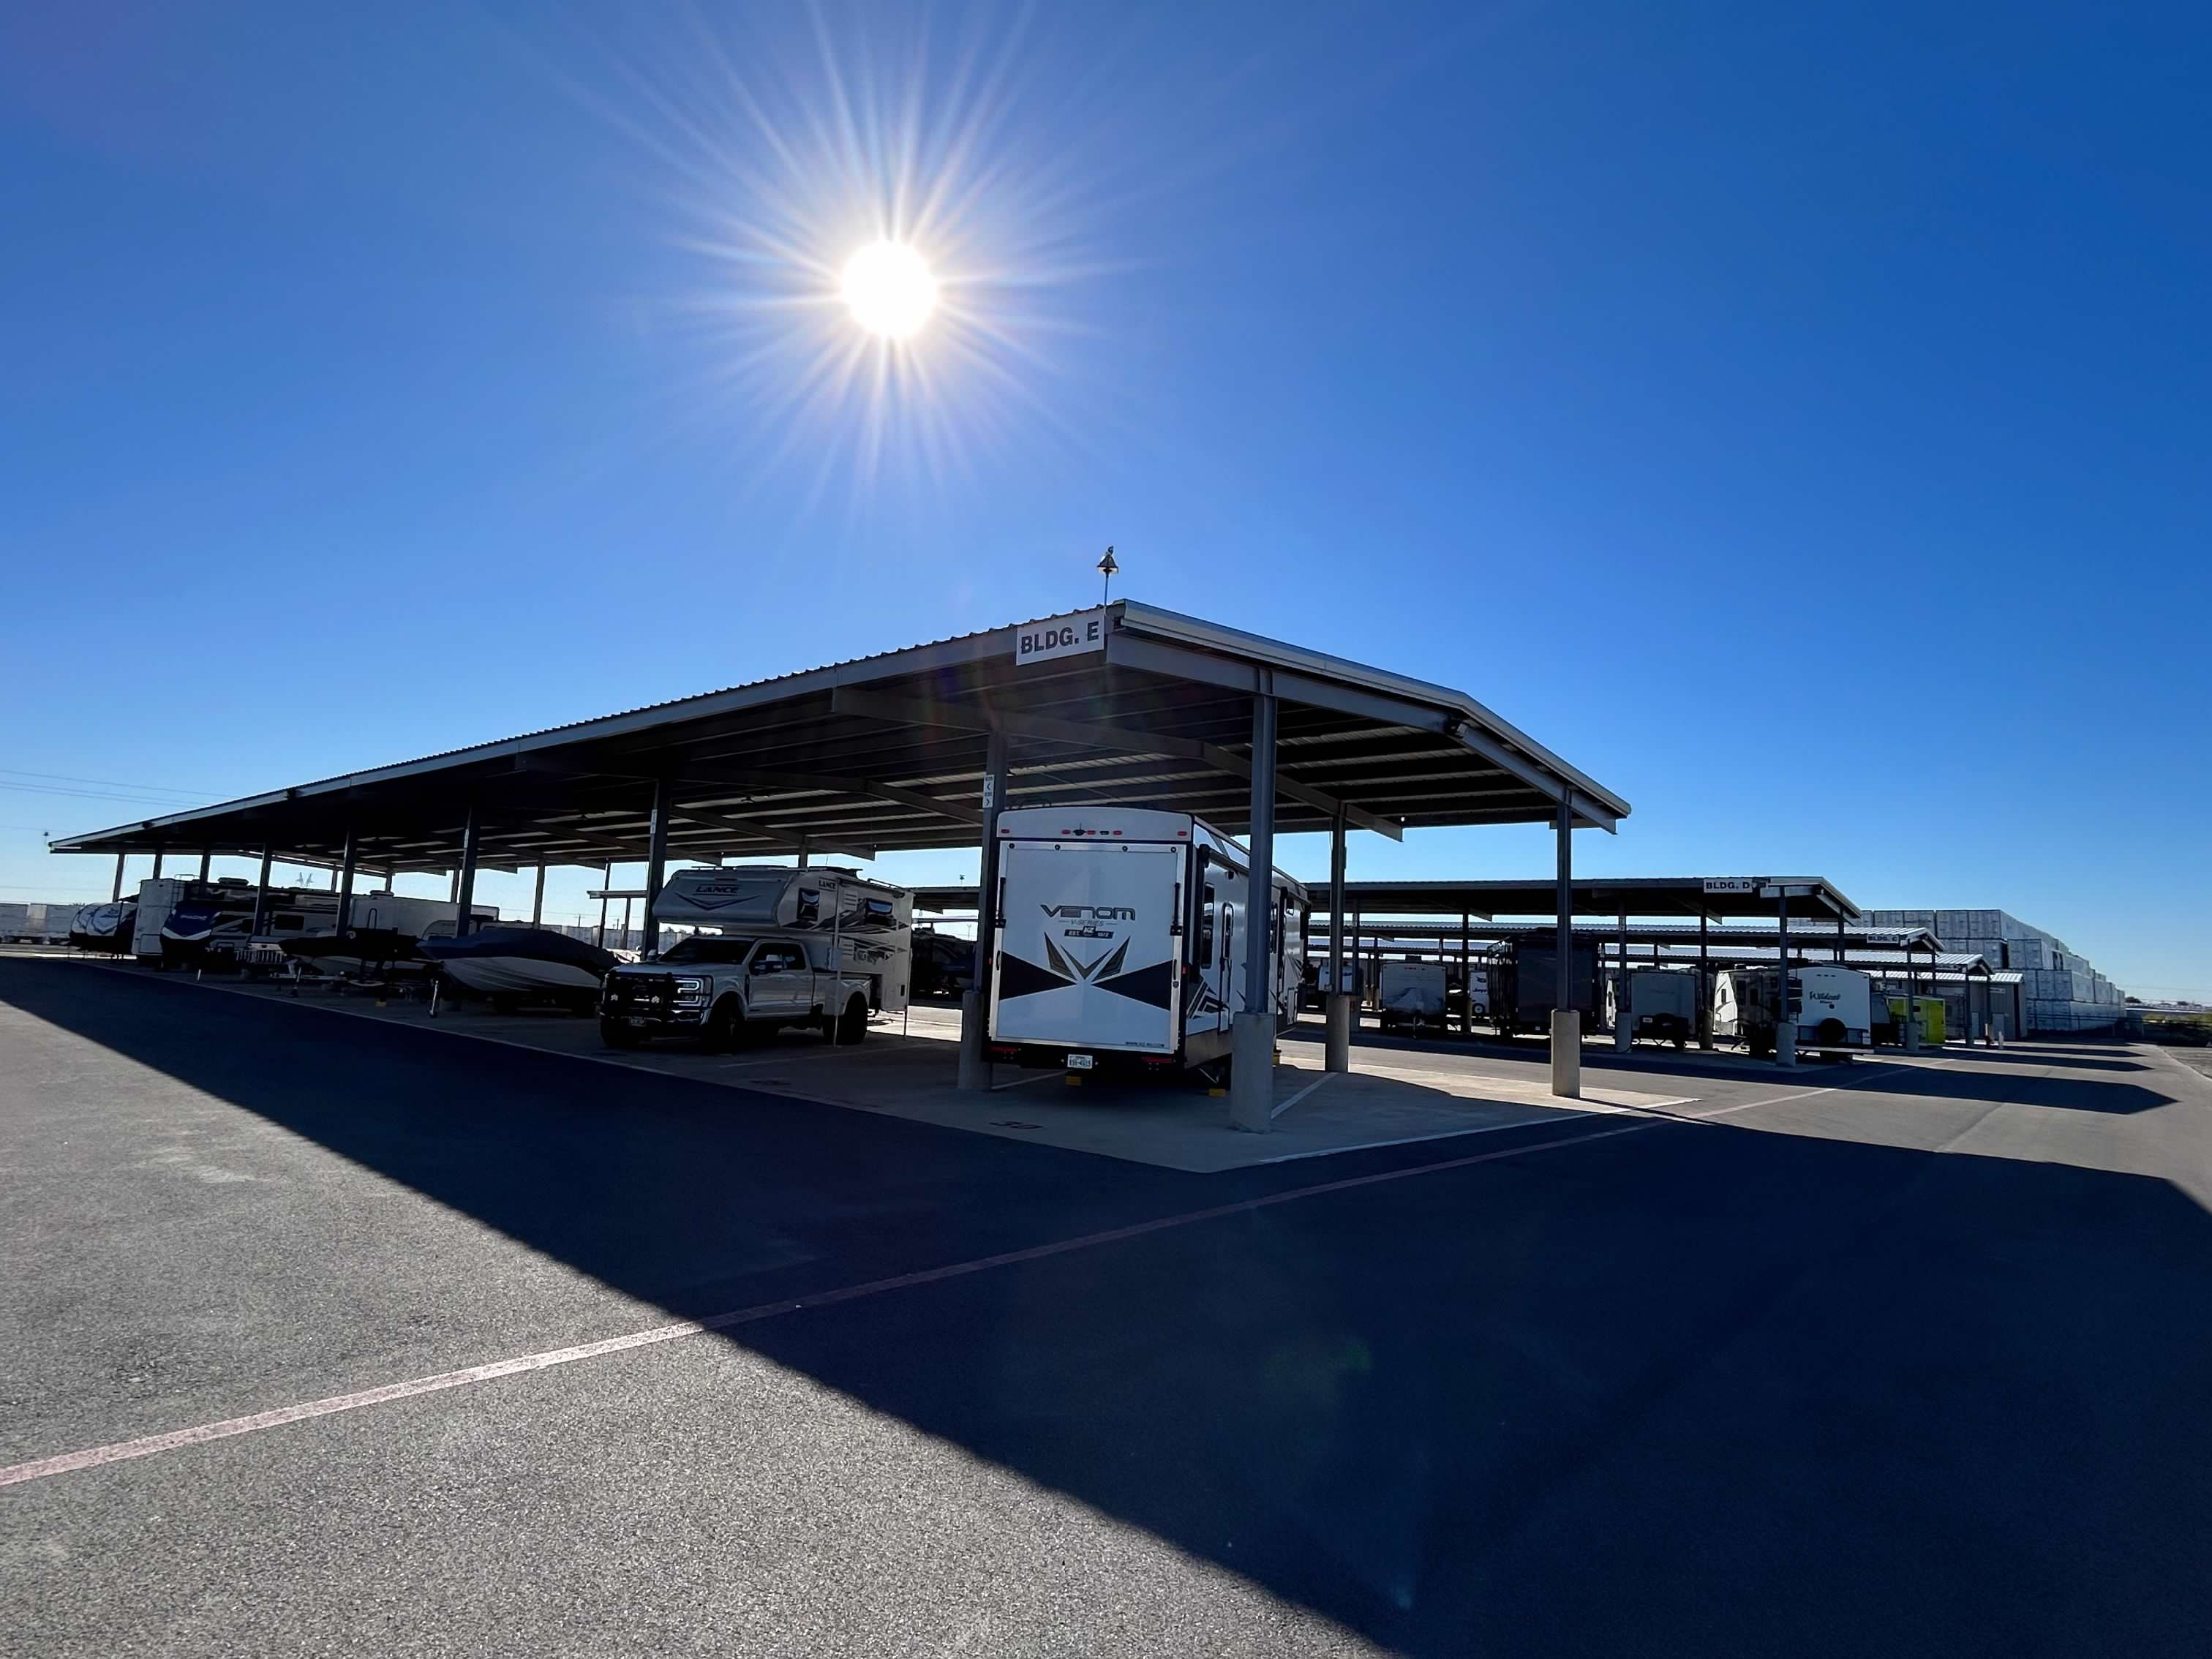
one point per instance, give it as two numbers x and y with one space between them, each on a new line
1066 636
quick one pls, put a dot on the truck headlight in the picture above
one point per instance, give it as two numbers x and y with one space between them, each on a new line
691 991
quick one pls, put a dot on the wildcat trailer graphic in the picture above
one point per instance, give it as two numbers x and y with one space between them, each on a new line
1119 939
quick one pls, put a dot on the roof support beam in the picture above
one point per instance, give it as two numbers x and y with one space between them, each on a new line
896 795
759 831
980 717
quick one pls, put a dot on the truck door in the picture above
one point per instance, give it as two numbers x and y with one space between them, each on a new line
778 984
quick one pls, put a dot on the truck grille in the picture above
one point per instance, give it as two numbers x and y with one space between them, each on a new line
650 994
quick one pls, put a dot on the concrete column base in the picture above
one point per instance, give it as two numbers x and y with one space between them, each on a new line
1620 1037
974 1055
1913 1032
1338 1046
1785 1044
1567 1053
1252 1075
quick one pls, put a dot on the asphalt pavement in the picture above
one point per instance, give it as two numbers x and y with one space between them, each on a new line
1907 1357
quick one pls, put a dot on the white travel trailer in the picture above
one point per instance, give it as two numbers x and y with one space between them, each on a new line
212 921
773 946
1410 994
1119 936
1663 1004
1831 1007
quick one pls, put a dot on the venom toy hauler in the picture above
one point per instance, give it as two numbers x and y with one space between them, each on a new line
1119 935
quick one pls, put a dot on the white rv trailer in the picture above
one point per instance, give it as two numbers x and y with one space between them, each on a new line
1661 1003
222 916
1119 939
775 946
1831 1007
1411 995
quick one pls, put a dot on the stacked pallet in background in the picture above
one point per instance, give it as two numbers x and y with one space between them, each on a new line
36 923
2062 991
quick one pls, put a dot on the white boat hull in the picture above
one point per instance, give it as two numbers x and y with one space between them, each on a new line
505 975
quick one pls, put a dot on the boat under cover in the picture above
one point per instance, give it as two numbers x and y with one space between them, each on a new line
359 950
508 962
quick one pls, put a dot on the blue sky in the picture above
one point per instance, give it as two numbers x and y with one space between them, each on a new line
1796 416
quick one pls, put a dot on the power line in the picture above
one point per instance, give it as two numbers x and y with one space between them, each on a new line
101 794
110 783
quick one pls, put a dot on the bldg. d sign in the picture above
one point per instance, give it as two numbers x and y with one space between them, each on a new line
1065 636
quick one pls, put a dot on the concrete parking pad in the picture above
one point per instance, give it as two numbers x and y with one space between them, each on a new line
905 1069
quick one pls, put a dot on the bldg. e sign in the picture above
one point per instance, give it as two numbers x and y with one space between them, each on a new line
1064 636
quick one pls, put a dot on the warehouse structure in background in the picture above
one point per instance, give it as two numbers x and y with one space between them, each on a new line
2060 990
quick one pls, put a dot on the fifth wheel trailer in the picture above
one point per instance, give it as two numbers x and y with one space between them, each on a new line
1119 935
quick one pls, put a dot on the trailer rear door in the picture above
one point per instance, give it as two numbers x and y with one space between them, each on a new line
1089 953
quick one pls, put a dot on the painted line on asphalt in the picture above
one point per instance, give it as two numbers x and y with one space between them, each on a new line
1301 1094
333 1405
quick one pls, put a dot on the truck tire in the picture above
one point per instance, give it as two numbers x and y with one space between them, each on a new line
615 1034
854 1027
726 1026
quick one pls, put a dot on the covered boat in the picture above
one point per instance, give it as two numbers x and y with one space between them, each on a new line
360 951
514 965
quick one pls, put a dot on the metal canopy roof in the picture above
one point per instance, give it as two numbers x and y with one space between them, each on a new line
1812 936
889 751
1712 897
1715 898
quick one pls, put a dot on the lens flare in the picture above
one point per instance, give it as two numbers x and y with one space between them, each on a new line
890 289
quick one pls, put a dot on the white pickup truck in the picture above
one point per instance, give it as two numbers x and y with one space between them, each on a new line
776 946
723 987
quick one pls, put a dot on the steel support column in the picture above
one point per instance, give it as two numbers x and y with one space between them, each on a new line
975 1060
261 891
464 879
345 885
157 864
656 865
207 862
1705 990
1785 1023
1252 1070
606 881
1566 1023
538 900
1622 1021
1912 1001
116 898
1465 974
1336 1056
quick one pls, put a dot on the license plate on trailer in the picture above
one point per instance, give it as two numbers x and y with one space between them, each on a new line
640 1020
1079 1063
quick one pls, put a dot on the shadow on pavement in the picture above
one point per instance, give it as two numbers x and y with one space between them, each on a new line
1688 1391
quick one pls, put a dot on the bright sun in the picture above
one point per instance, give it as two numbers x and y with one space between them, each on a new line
889 287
